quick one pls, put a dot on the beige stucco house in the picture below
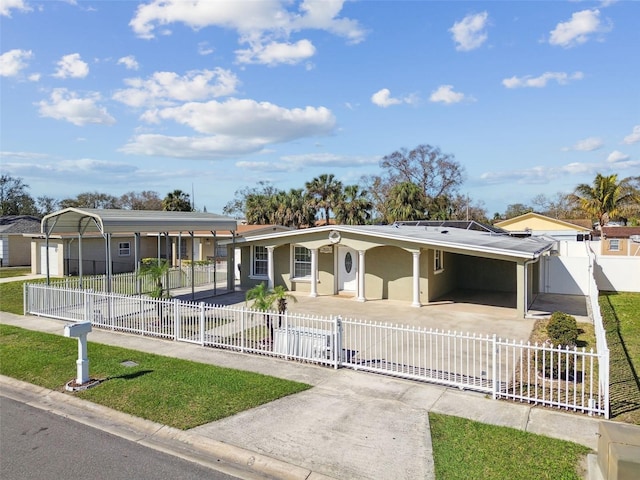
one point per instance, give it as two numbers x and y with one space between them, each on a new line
620 241
415 264
15 247
536 224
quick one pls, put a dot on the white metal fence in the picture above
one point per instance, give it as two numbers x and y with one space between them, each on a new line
131 283
573 379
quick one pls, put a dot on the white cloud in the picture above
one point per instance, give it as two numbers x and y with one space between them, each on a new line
633 137
233 127
617 156
274 53
541 81
71 66
578 30
261 25
165 88
34 77
586 145
129 62
7 5
66 105
470 33
383 98
298 163
13 61
445 94
204 48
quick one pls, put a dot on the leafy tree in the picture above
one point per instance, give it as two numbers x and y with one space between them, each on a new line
279 295
406 201
14 198
91 200
353 207
177 201
145 200
323 191
292 209
516 209
606 197
238 206
47 205
434 172
260 296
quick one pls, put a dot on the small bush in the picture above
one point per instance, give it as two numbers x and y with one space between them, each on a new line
563 329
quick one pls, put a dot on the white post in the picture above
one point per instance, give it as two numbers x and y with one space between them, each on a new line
79 331
361 297
416 279
314 272
270 271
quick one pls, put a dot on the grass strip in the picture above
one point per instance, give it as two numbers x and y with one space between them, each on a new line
8 272
465 449
621 316
174 392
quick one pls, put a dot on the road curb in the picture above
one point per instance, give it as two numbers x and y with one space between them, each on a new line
211 453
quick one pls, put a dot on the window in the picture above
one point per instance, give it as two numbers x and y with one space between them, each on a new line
124 249
614 245
301 262
260 261
437 261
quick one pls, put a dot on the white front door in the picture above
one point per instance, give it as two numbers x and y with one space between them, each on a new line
347 269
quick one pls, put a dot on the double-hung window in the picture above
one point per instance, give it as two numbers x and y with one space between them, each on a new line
124 249
260 261
301 262
614 245
438 264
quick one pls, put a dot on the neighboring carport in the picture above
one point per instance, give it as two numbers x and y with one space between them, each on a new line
107 222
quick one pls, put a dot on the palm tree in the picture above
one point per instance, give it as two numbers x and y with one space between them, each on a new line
323 191
406 201
353 207
606 197
155 268
177 201
280 296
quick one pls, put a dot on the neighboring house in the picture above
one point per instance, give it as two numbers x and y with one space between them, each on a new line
416 264
15 249
532 224
619 241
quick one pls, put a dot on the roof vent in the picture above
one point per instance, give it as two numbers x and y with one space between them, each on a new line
635 238
444 231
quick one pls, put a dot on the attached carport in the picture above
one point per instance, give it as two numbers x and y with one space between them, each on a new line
109 222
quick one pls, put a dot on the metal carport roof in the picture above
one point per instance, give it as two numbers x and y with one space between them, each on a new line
104 221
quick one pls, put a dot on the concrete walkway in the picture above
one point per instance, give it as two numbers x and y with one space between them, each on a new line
352 425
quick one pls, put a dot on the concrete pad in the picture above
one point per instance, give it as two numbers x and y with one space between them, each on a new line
477 407
577 428
344 428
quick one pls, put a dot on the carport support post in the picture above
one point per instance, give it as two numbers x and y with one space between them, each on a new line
521 294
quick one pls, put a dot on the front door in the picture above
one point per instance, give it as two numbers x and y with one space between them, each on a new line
347 269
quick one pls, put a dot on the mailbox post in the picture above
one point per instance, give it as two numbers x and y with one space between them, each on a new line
79 331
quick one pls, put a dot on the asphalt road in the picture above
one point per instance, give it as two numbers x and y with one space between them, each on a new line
36 444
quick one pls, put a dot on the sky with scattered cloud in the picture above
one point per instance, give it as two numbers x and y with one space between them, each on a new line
211 96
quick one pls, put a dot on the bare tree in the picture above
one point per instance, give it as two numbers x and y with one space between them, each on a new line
145 200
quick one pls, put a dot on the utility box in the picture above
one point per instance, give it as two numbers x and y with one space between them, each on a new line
76 330
619 451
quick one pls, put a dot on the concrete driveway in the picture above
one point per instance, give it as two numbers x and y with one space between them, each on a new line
477 312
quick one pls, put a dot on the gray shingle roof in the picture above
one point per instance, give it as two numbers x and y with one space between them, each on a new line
19 224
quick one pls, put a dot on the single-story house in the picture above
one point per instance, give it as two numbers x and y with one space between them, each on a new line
620 241
536 224
416 264
15 247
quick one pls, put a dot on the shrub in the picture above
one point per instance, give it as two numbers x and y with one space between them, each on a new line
563 329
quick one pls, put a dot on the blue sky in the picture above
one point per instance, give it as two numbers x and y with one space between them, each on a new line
210 97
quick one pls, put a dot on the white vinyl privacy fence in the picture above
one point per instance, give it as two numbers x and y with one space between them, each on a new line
572 379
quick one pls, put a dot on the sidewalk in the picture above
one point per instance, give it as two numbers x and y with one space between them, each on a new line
351 425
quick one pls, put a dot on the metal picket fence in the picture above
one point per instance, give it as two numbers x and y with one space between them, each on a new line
572 379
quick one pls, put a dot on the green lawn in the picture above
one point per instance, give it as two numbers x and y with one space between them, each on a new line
464 449
6 272
167 390
621 314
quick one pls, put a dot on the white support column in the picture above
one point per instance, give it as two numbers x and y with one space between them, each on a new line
270 271
416 279
314 272
361 297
